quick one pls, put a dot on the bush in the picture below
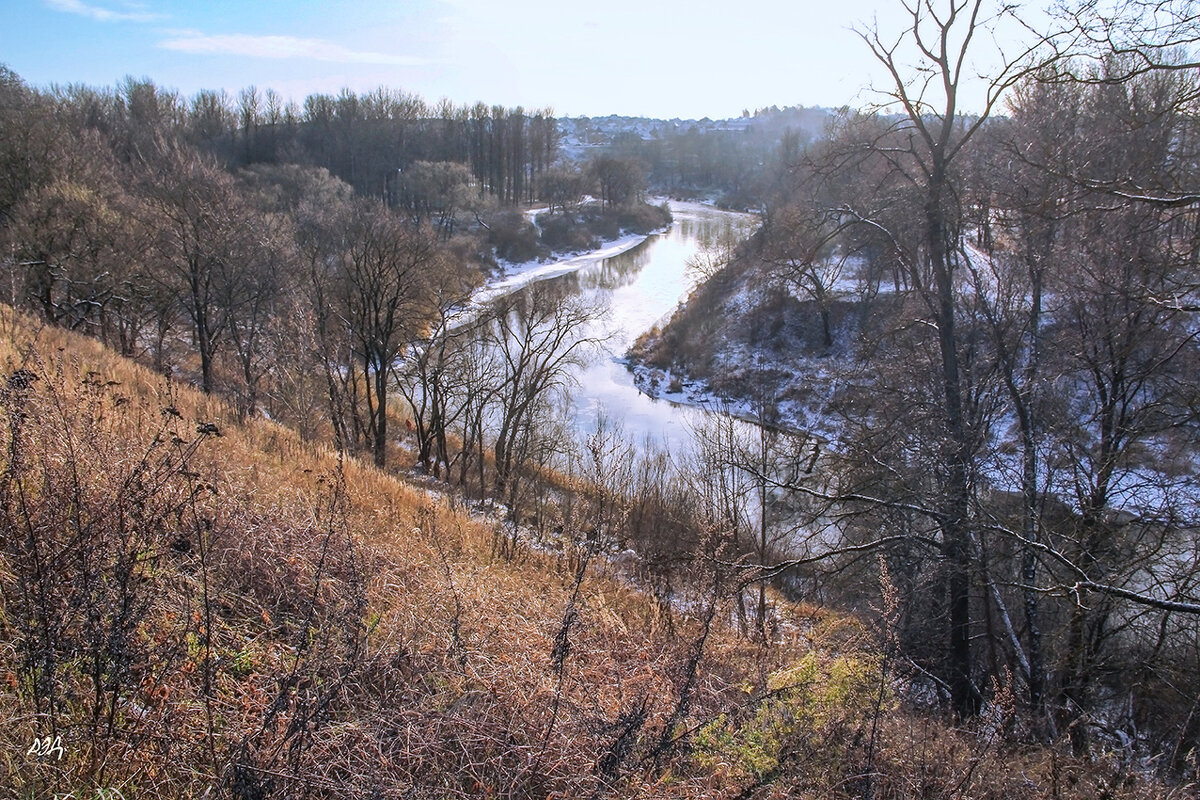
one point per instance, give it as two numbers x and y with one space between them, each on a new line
810 705
604 224
514 237
180 610
566 232
643 218
571 232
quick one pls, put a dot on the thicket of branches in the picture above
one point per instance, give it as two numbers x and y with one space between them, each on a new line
198 605
995 315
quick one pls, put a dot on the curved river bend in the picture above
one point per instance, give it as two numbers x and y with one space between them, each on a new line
637 289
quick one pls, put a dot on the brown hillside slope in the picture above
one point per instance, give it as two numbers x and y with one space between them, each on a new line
191 607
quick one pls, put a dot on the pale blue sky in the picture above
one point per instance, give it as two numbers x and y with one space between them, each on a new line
661 58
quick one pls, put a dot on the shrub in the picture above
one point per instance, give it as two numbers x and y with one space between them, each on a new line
643 218
514 237
566 232
604 224
809 705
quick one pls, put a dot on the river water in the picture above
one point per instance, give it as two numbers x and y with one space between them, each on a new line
637 289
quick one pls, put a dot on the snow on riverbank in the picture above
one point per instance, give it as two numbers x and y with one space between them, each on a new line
517 276
806 415
811 390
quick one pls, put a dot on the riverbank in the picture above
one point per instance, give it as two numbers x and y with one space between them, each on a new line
546 244
736 346
638 280
514 276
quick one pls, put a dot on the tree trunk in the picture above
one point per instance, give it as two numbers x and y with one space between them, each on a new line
955 550
380 425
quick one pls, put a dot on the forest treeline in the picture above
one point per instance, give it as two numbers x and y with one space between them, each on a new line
989 324
291 259
368 140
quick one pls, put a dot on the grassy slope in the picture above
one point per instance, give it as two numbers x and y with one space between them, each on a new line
243 611
444 676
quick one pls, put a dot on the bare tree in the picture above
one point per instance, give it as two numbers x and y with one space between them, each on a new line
67 239
434 192
539 335
202 224
435 378
924 147
259 299
619 180
801 245
381 296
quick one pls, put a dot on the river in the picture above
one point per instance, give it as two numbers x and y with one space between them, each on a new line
637 289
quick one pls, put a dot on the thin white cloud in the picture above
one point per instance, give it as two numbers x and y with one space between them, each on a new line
99 13
279 47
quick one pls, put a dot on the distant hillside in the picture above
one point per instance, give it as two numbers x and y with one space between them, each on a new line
736 162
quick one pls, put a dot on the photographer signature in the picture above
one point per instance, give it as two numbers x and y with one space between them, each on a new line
51 747
46 747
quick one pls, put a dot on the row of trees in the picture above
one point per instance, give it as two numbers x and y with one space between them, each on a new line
1017 414
365 139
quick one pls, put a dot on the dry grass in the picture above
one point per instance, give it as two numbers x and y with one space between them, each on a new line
246 615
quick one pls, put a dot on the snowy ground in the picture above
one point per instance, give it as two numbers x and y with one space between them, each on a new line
515 276
806 417
1155 487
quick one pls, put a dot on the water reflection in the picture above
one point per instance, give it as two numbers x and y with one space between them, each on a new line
613 273
638 289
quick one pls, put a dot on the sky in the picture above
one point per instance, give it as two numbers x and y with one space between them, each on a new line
655 58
